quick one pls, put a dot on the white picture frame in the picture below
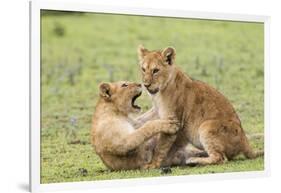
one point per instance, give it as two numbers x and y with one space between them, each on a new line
36 6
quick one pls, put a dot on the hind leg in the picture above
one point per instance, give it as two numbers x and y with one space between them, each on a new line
162 148
178 155
192 151
213 158
219 139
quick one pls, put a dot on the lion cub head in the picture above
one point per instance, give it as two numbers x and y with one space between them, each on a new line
157 67
122 95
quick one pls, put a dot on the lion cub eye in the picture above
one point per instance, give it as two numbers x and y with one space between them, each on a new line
124 85
143 69
155 71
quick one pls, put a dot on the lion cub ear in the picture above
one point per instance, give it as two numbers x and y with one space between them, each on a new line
142 52
169 55
105 91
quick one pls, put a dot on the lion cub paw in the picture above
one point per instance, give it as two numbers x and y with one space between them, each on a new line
150 166
171 126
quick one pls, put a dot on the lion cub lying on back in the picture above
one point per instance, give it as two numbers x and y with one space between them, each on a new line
113 134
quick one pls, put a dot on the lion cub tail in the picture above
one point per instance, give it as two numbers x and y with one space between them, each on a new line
253 154
248 151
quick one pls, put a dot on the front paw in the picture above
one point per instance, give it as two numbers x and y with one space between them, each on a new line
172 127
149 166
146 167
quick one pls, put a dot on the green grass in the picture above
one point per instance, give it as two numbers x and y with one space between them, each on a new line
81 50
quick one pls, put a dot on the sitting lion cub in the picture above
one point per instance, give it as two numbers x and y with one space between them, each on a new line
113 134
206 117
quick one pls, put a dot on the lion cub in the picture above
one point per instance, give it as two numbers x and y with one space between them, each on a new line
114 136
206 117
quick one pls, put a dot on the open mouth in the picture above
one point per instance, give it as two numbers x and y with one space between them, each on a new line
133 101
152 91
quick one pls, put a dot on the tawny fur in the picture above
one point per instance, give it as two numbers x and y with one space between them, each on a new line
114 135
206 117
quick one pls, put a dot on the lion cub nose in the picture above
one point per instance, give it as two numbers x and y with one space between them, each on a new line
147 85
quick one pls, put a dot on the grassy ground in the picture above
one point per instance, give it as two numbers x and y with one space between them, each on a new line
81 50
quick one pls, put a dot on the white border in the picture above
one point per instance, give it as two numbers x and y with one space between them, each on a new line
36 6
